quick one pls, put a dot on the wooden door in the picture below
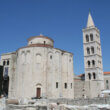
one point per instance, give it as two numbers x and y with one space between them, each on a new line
38 92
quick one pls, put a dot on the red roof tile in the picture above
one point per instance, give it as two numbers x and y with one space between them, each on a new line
80 75
106 72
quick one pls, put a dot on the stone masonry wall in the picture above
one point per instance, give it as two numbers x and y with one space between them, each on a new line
78 88
81 102
57 103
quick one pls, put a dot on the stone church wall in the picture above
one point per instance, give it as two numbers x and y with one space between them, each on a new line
41 67
79 88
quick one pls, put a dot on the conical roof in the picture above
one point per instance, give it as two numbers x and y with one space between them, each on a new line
90 22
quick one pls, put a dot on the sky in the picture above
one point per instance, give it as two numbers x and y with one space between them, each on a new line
61 20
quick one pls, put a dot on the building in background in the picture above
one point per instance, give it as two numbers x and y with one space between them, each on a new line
107 80
80 88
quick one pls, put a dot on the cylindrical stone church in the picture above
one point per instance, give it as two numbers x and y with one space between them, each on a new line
40 70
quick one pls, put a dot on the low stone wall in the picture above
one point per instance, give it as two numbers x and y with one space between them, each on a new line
81 102
24 107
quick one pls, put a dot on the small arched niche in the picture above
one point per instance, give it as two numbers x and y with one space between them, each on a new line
38 58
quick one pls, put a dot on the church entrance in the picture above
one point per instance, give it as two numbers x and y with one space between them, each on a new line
38 92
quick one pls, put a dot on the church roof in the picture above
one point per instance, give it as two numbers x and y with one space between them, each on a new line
40 36
90 22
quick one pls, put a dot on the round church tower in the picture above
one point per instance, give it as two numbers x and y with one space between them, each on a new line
43 71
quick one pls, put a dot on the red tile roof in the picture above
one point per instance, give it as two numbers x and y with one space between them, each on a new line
106 73
80 75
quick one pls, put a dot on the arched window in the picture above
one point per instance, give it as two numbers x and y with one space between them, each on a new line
92 50
50 56
8 62
4 62
88 50
91 37
106 81
56 84
89 63
107 84
65 84
87 38
93 62
94 76
89 75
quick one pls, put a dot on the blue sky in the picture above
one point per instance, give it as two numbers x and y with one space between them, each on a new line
62 20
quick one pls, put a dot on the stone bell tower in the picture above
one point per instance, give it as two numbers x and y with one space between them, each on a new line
92 59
